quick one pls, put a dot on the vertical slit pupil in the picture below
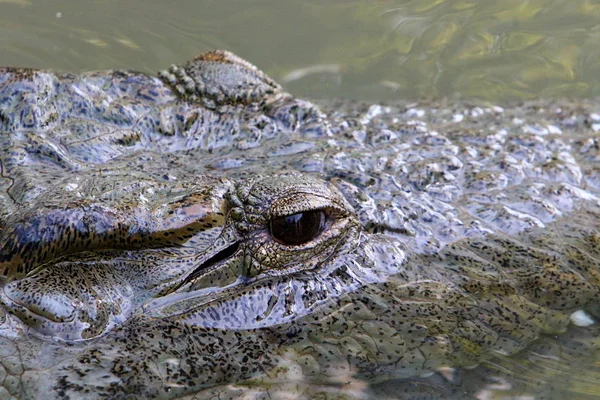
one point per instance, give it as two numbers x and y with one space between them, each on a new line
298 228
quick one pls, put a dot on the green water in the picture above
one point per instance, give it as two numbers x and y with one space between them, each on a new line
496 50
368 50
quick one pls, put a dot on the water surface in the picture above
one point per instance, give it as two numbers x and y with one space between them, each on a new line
368 50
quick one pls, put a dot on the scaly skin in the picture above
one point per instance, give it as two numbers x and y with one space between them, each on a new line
137 261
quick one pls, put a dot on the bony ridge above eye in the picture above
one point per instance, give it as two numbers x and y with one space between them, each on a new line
299 228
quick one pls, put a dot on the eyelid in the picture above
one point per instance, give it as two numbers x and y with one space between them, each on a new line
301 202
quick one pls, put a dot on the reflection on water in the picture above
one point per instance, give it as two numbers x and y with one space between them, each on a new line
496 50
373 51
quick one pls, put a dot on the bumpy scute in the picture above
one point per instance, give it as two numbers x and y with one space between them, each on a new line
220 78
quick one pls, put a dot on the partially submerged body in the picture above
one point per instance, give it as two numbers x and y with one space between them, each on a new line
145 244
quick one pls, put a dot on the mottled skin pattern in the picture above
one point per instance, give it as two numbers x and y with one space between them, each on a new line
136 258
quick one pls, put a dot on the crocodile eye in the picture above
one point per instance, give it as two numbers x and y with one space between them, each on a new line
298 228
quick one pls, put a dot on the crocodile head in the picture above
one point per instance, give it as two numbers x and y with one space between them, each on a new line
173 236
211 242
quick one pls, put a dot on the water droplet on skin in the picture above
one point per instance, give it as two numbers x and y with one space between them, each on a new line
581 318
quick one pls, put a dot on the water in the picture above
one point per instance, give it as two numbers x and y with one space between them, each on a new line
373 51
367 50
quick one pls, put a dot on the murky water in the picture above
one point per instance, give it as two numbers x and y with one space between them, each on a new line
370 50
367 50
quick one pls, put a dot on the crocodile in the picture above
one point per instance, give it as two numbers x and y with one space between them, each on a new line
202 233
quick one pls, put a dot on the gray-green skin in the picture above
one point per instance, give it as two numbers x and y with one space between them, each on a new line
136 257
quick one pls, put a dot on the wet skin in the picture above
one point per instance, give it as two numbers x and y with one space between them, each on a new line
203 233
